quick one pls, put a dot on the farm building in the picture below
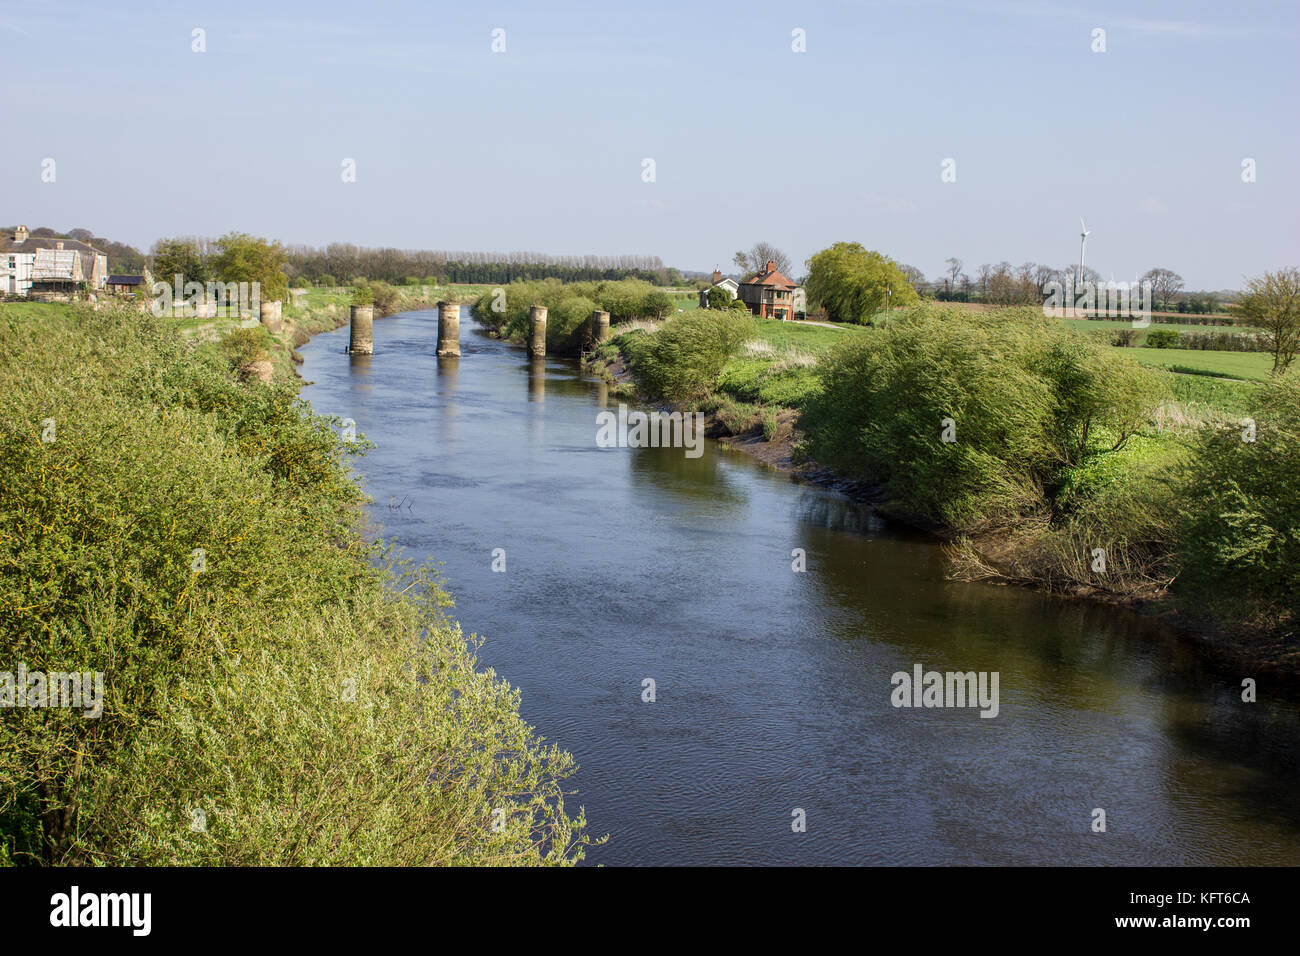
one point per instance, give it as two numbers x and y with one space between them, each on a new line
44 264
124 285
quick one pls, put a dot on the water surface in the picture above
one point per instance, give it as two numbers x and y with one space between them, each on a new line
773 687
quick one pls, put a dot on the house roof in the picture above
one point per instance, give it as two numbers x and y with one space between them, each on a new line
33 243
770 277
125 280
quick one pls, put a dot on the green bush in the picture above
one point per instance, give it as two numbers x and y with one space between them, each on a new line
719 298
386 298
656 304
1162 339
245 346
301 689
507 311
1021 396
567 325
1239 538
681 361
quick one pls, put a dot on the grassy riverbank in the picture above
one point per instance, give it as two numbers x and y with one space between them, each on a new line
1044 456
276 689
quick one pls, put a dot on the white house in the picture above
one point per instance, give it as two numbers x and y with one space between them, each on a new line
731 286
53 264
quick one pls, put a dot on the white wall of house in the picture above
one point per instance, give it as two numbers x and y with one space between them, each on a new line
16 272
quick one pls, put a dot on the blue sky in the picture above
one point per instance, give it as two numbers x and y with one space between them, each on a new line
541 147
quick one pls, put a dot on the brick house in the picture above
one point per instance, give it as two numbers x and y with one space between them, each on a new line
769 294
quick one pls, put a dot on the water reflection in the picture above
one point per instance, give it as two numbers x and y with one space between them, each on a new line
700 480
359 366
537 380
448 385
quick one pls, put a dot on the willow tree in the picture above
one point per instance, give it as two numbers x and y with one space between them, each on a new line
852 283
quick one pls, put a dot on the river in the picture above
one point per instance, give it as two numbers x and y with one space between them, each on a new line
773 687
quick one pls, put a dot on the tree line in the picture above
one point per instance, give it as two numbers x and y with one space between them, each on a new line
1027 284
340 262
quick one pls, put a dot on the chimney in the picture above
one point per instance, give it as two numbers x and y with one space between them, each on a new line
21 234
771 265
717 276
58 245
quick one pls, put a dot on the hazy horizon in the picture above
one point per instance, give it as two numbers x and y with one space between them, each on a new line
541 147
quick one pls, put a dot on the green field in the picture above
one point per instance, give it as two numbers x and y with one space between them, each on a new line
1084 325
684 299
1255 366
35 310
802 336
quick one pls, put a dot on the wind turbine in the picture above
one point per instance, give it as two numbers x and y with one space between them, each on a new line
1083 238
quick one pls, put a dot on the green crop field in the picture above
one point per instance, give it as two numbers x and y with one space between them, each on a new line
1084 325
1245 365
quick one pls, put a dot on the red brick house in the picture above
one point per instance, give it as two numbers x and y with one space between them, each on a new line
769 294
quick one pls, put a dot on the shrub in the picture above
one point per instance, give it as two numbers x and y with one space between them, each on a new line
229 688
1022 397
386 298
1239 537
245 346
655 304
568 308
682 360
1163 339
567 325
719 298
